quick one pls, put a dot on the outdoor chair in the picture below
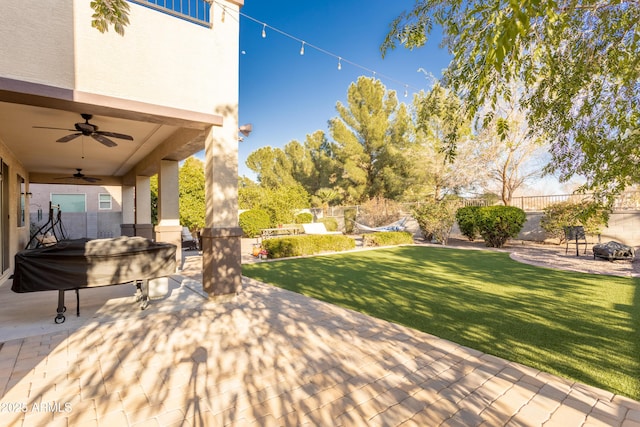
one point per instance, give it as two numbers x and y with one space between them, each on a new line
188 242
574 235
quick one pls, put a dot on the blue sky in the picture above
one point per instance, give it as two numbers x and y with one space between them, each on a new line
286 96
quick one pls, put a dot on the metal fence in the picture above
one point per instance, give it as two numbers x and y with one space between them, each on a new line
628 201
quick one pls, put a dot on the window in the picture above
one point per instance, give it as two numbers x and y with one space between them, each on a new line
196 11
21 201
70 202
104 201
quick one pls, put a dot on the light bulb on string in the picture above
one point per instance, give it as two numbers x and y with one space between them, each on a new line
224 12
303 43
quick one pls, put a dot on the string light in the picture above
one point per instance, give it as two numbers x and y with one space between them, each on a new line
304 43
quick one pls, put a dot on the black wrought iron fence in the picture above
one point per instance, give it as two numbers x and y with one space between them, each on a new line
628 201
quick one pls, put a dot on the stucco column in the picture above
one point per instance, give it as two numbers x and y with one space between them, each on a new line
221 239
143 226
168 229
127 228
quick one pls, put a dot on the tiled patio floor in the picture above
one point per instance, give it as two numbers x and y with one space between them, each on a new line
273 357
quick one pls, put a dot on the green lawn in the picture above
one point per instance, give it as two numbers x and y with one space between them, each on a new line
580 326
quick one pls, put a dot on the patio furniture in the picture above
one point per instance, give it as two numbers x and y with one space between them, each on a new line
317 228
188 242
613 251
574 235
394 226
266 233
84 263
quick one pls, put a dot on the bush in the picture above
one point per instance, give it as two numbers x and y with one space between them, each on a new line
591 215
331 224
387 238
350 215
303 218
436 219
254 220
379 211
499 223
283 247
467 219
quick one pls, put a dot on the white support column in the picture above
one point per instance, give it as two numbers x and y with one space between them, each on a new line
169 229
143 225
168 203
127 228
221 239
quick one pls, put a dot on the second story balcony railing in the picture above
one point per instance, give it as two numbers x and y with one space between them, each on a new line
196 11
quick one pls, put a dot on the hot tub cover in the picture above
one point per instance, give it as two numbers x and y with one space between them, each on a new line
82 263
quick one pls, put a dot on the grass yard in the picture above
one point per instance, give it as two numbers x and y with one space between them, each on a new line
580 326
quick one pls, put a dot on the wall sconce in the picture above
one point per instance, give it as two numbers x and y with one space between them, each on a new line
245 130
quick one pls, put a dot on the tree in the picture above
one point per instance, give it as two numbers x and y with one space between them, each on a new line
110 12
511 154
191 194
440 125
367 133
579 62
272 166
313 164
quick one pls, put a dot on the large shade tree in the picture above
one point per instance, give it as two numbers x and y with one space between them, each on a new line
369 133
441 125
580 64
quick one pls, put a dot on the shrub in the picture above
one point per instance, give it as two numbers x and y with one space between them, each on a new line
387 238
303 218
591 215
252 221
467 219
331 224
436 219
379 211
350 215
499 223
283 247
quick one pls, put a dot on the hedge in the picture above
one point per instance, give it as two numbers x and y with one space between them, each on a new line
499 223
284 247
254 220
387 238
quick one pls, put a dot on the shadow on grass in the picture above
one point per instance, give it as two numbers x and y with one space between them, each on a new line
274 357
581 326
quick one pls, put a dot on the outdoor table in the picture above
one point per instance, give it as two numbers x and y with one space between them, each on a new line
277 232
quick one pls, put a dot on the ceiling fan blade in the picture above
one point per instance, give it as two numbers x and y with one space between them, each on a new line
103 140
47 127
91 179
68 137
115 135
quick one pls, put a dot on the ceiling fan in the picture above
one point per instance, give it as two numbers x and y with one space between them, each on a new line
80 175
89 129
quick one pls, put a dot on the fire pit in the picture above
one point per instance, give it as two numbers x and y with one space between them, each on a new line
613 251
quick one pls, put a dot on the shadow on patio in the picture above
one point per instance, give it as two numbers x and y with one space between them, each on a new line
274 357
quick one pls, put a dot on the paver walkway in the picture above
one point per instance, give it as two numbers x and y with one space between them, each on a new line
273 357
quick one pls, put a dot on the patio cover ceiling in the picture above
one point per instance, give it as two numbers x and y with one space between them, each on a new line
159 133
